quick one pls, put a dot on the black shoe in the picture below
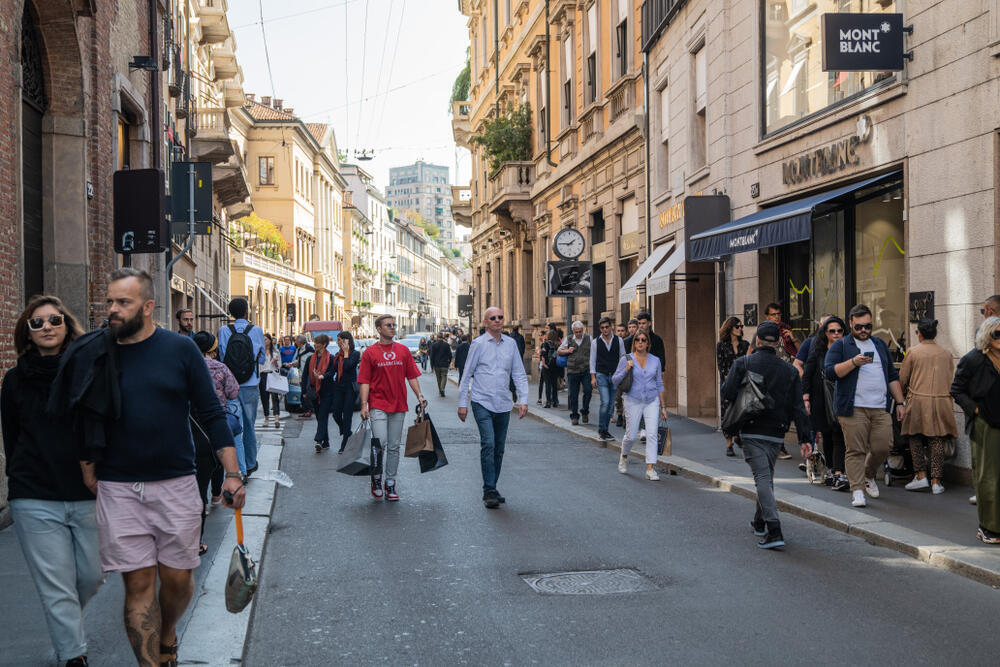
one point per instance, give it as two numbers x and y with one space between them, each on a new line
783 453
773 538
759 529
326 444
319 447
442 394
492 500
802 467
80 661
252 470
828 479
729 451
341 450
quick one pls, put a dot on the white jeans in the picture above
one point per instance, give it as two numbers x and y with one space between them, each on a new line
634 412
388 428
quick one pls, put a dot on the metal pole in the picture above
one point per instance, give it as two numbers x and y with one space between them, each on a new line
187 246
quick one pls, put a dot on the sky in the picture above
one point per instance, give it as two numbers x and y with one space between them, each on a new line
384 83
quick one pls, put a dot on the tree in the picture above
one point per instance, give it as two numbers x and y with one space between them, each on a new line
507 138
262 235
428 226
460 89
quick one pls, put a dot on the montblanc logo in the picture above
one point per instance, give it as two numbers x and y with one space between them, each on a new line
886 28
862 40
744 240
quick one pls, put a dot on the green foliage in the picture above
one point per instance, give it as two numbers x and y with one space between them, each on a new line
428 226
508 137
460 89
455 252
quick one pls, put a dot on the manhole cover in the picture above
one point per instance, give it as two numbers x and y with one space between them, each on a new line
592 582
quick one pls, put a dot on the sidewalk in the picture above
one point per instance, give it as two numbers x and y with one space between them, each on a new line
939 530
209 634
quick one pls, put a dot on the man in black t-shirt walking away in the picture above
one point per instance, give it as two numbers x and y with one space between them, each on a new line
440 353
143 469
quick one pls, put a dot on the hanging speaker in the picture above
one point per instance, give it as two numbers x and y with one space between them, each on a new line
140 211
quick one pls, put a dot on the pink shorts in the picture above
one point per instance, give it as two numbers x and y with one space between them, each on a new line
141 524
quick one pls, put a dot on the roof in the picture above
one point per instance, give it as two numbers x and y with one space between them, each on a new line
318 130
259 111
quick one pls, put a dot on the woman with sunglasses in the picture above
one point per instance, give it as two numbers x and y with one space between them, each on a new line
53 509
817 393
730 347
976 388
644 400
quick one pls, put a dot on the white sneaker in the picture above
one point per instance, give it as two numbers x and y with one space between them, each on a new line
858 499
937 489
642 434
917 484
972 500
871 488
651 475
623 464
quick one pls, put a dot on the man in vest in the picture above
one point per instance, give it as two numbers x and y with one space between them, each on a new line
605 352
577 350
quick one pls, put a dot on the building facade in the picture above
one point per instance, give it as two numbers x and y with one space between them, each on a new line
578 67
779 181
425 189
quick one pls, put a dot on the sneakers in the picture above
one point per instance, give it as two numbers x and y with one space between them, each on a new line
623 464
758 529
604 435
986 537
651 475
376 487
492 500
841 483
390 492
858 499
972 500
917 484
829 478
871 488
79 661
575 421
729 451
585 417
783 454
773 539
937 489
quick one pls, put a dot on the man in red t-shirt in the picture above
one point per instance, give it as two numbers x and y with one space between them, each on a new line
385 370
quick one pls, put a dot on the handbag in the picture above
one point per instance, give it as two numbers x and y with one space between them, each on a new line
562 360
829 392
277 383
664 443
241 582
625 386
750 402
949 448
418 436
434 459
357 451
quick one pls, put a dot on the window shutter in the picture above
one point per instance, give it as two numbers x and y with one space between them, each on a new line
592 35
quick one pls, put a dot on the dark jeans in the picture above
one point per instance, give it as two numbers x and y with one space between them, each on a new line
441 373
576 381
492 435
761 455
342 408
552 386
605 388
264 394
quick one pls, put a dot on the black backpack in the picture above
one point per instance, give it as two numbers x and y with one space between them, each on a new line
240 358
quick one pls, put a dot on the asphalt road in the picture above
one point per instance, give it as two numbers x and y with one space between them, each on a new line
435 579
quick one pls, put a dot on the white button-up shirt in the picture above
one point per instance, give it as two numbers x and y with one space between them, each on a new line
488 371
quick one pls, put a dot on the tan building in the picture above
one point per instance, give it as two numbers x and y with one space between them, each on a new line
581 75
286 258
840 187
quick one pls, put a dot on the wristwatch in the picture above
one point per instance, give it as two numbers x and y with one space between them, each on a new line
234 475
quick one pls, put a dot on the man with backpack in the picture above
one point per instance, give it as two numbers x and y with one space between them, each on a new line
762 430
241 345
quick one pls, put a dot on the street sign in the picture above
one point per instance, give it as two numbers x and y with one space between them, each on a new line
862 42
140 219
180 197
569 278
290 312
465 305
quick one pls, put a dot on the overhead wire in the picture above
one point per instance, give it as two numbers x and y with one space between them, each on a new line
295 14
381 62
392 67
364 63
320 112
267 55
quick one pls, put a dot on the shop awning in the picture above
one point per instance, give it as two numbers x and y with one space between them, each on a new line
778 225
659 282
628 291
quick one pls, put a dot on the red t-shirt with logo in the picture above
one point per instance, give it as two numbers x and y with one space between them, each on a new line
386 368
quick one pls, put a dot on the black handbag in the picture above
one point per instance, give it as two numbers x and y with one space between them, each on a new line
625 386
829 391
434 459
751 401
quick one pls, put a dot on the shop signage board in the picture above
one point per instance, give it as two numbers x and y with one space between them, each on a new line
569 278
862 42
290 312
921 306
180 197
465 305
749 314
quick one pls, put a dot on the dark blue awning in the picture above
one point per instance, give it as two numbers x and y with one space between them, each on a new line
778 225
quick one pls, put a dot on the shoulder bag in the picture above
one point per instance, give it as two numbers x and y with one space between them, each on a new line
625 386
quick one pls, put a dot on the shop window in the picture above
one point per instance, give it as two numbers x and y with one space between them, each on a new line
597 227
880 272
794 84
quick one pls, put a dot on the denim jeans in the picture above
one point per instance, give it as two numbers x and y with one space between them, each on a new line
761 454
59 542
250 399
235 405
606 390
492 436
577 381
388 428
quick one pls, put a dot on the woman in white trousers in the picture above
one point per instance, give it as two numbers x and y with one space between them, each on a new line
644 400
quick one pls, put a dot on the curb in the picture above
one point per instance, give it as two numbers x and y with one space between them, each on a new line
974 563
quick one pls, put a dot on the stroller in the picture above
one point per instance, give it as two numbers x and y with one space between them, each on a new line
899 464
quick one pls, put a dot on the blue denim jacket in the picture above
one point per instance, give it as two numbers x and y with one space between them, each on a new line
845 349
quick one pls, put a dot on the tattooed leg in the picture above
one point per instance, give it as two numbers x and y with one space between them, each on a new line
176 589
142 615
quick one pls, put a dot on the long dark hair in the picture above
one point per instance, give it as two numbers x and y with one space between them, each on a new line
268 344
819 341
22 338
346 335
727 329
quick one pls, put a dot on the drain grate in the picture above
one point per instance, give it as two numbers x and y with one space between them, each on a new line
591 582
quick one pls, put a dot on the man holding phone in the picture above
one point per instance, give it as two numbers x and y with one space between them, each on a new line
867 383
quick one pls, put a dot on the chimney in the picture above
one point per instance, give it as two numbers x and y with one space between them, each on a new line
290 111
265 100
250 97
277 104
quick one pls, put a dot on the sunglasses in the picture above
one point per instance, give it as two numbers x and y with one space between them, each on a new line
995 335
495 318
737 326
36 323
835 331
863 327
605 326
388 325
642 340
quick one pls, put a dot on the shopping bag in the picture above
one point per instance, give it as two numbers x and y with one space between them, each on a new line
418 437
241 582
277 383
356 456
664 443
435 459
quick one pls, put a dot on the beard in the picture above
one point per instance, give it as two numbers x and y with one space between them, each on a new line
126 328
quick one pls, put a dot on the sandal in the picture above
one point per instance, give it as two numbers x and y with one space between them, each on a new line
202 549
169 650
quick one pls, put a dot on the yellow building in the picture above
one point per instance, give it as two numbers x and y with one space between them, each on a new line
578 65
288 259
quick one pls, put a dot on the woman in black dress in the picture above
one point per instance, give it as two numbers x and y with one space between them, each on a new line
818 404
730 346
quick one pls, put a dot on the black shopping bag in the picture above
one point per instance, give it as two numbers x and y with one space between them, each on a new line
435 459
356 456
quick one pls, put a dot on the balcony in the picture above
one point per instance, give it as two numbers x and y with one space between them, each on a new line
656 16
214 24
509 189
224 63
461 125
231 186
461 205
211 143
251 261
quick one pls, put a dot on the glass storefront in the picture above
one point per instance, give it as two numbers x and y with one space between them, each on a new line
794 84
856 255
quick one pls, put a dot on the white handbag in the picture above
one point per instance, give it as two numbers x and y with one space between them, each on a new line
277 383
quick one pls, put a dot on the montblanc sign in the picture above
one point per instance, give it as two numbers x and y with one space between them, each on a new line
862 42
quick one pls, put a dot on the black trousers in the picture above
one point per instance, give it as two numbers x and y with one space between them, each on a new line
342 409
264 394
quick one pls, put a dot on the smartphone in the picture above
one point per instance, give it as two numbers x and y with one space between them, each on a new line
870 355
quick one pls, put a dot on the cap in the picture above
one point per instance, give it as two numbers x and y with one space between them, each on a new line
769 331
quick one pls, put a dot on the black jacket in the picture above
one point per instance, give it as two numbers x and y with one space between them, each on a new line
461 354
347 379
87 390
519 339
656 348
975 378
43 460
782 384
813 383
440 354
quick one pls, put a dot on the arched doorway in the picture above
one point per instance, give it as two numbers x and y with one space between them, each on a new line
33 105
